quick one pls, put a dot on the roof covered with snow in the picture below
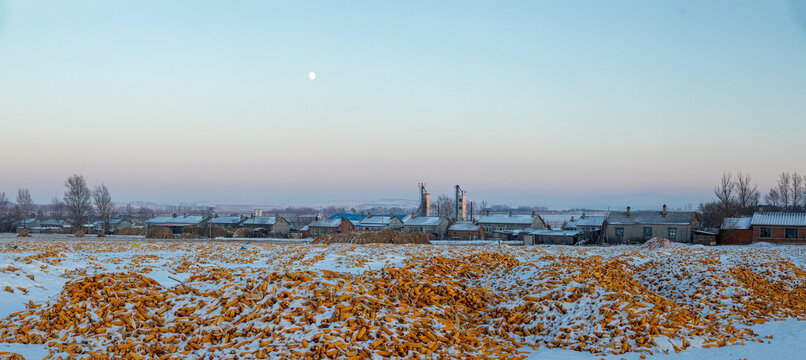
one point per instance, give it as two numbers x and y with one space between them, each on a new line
741 223
507 219
465 226
596 220
261 220
378 220
328 223
424 221
651 218
187 220
559 219
234 220
543 232
779 219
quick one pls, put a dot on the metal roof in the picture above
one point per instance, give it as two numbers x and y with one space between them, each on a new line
651 218
779 219
507 219
543 232
185 220
227 220
465 226
742 223
261 220
596 220
424 221
331 223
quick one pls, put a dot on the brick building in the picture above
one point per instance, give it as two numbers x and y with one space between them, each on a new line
779 227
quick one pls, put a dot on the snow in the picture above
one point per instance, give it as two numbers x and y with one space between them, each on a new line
42 265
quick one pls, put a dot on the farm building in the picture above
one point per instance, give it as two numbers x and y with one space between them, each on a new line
779 227
28 224
705 236
320 227
590 225
735 231
227 221
378 222
466 230
176 223
115 224
354 218
632 227
271 224
496 225
554 237
557 221
54 226
435 225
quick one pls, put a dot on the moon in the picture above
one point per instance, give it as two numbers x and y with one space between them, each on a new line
311 75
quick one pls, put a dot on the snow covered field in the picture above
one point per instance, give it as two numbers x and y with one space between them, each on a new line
119 297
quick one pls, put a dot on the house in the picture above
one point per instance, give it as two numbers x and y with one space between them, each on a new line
176 223
629 227
115 224
354 218
496 225
320 227
54 226
272 224
466 230
378 222
435 225
779 227
735 231
555 237
28 224
591 226
227 221
557 221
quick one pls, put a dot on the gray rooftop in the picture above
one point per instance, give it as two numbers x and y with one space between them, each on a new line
180 220
741 223
507 219
464 226
261 220
326 223
543 232
227 220
596 220
779 219
651 218
424 221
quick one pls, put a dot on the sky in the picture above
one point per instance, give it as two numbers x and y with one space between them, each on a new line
555 103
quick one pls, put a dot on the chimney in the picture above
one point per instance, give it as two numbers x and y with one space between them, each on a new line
664 211
628 211
488 212
510 213
761 209
533 214
583 215
174 214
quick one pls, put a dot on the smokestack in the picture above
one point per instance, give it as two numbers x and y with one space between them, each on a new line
628 211
664 210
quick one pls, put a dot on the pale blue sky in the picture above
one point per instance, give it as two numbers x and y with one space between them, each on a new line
544 103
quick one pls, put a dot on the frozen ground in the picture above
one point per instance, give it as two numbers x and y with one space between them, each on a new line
497 301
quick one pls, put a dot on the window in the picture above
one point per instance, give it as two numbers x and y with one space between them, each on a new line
619 232
765 232
672 233
647 231
791 233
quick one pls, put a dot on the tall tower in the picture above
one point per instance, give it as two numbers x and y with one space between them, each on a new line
425 201
461 204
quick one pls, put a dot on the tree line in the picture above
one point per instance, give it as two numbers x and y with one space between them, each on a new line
77 204
737 195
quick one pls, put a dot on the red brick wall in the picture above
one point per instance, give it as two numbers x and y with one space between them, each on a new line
467 235
735 237
779 234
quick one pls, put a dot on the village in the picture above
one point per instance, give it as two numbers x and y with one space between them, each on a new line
531 228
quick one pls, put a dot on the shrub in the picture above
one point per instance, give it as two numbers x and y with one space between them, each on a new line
160 232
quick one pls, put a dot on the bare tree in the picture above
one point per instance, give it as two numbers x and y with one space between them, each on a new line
773 198
57 208
724 194
446 206
747 195
798 188
25 205
77 200
3 205
103 203
784 190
